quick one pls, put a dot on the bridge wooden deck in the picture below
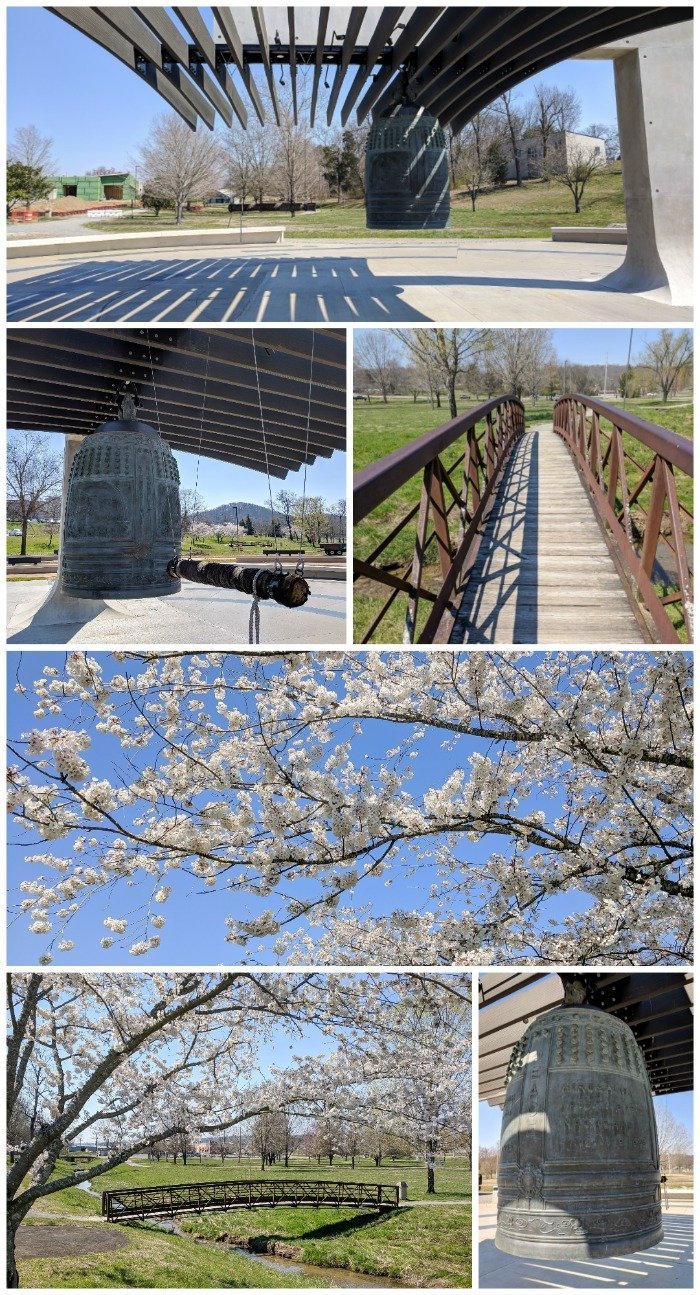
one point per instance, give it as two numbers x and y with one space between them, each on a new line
195 1198
544 573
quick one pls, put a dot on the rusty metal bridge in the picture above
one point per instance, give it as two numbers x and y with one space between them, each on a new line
574 531
196 1198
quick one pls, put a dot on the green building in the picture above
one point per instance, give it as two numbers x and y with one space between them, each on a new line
96 188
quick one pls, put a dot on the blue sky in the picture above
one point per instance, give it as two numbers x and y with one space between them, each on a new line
98 111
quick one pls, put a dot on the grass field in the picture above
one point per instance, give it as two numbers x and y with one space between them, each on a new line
509 212
421 1246
153 1259
39 543
381 428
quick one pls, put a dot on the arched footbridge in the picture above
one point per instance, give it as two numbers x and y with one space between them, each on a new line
195 1198
577 530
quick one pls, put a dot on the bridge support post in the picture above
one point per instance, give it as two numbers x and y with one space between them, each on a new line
654 92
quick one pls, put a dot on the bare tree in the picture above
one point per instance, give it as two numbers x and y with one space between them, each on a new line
668 356
375 352
261 153
34 475
191 504
674 1137
609 135
542 115
32 149
472 170
180 164
514 125
513 357
566 108
574 170
539 359
448 351
294 142
238 162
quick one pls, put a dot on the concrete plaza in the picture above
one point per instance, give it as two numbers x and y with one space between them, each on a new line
194 617
359 281
666 1266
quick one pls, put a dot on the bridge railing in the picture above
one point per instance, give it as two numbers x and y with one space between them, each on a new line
194 1198
633 469
444 527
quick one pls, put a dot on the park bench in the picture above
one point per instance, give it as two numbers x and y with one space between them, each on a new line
284 553
23 559
333 548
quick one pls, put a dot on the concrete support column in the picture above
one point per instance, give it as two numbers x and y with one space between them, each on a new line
72 443
654 90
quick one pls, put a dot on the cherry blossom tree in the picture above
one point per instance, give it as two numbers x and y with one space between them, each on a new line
151 1059
537 805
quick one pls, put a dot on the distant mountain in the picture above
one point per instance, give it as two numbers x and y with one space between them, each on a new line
259 514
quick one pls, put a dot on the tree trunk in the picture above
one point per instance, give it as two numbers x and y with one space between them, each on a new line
431 1180
453 399
12 1273
23 545
518 176
178 213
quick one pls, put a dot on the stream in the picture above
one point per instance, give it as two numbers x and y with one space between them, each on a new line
327 1277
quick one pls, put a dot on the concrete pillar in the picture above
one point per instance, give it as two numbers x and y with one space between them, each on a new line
72 443
654 92
403 1190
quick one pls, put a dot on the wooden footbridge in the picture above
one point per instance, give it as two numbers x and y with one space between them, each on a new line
196 1198
574 531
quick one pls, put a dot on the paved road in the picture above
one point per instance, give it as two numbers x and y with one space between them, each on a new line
63 227
321 281
195 617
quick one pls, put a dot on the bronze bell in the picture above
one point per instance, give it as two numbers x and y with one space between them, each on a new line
407 180
578 1173
122 513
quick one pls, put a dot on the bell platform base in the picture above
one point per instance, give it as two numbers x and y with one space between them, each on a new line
582 1248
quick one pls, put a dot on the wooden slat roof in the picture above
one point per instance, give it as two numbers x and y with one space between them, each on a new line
453 59
198 386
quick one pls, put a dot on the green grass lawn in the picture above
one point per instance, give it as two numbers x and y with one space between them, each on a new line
509 212
154 1259
380 428
39 543
421 1246
453 1180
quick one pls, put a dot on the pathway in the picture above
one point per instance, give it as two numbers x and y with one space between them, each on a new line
544 573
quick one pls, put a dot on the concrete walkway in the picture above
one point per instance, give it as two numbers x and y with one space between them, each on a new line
666 1266
354 281
194 617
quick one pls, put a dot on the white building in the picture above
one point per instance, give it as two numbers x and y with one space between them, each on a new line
561 147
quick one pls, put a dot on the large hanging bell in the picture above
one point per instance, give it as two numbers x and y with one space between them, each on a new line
578 1172
407 179
122 514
